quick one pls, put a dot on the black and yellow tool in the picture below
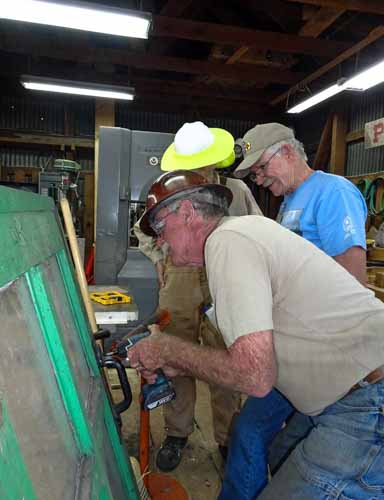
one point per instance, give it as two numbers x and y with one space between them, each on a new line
110 298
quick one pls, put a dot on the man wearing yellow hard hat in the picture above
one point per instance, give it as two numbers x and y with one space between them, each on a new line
184 290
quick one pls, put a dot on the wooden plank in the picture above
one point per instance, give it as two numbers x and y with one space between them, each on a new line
104 116
372 6
324 149
355 135
175 8
174 87
232 35
287 16
9 136
339 145
374 35
237 55
172 8
320 21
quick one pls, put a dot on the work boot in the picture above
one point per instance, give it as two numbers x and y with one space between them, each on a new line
169 455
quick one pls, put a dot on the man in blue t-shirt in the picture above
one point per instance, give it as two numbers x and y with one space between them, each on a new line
327 210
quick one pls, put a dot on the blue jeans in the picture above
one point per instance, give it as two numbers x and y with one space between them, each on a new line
339 453
246 471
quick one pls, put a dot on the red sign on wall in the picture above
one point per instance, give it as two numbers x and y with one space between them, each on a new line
374 134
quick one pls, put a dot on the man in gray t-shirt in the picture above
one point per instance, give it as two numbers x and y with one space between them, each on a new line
291 318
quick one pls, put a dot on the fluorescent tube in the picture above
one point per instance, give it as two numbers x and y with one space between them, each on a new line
362 81
366 79
81 16
315 99
77 88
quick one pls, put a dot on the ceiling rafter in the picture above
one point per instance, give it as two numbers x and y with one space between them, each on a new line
175 8
232 35
320 21
286 15
84 54
316 24
372 6
374 35
182 88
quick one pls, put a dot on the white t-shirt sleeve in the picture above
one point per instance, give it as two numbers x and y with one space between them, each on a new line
240 284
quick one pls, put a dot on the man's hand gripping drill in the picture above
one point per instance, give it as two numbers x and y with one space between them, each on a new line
159 390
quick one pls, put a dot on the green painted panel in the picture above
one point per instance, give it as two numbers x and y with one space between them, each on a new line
78 312
60 363
124 465
15 200
14 478
27 239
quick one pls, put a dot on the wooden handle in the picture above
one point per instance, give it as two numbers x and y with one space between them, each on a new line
70 229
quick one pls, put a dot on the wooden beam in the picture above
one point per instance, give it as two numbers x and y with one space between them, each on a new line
173 87
287 16
355 135
10 136
172 8
372 6
339 145
175 8
324 149
231 35
237 55
320 21
374 35
198 103
84 54
194 110
104 117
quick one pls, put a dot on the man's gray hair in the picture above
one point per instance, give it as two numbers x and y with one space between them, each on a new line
206 201
298 146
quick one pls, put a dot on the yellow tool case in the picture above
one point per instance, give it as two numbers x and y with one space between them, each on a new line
110 298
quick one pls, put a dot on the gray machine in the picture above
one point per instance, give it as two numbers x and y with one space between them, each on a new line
129 161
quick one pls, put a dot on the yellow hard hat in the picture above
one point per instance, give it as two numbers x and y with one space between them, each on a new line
196 146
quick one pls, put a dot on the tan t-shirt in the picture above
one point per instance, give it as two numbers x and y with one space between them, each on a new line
328 329
243 203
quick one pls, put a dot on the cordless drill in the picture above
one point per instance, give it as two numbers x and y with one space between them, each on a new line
161 391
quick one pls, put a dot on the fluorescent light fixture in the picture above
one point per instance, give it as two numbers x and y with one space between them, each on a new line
80 16
315 99
366 79
360 82
77 88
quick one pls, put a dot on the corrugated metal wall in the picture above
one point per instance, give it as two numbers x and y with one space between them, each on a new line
45 114
360 108
365 107
32 115
170 122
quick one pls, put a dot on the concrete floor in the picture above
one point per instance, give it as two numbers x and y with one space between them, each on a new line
201 468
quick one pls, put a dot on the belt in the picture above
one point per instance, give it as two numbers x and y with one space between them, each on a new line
370 379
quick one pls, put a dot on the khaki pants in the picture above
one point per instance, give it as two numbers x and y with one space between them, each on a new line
185 291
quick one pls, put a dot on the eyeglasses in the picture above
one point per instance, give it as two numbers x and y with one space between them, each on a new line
159 224
263 166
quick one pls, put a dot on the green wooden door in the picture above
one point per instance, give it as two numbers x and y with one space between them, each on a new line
58 437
